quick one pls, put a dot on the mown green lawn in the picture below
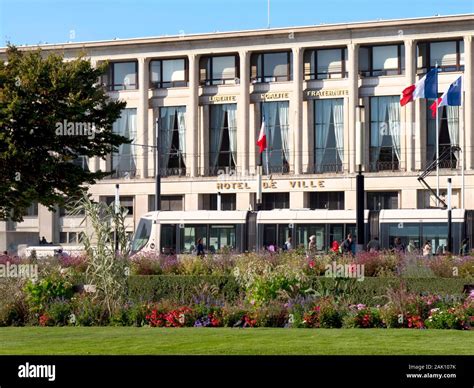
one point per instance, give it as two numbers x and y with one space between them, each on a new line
194 341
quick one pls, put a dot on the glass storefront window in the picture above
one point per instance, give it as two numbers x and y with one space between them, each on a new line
221 236
304 232
190 234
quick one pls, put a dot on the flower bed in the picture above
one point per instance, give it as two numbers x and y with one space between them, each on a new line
252 290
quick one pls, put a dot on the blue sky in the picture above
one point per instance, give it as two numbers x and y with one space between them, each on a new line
51 21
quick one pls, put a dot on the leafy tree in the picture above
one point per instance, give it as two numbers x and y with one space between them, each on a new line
51 112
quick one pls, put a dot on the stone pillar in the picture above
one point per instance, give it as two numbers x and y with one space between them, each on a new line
192 122
297 108
243 110
468 86
353 100
408 134
142 118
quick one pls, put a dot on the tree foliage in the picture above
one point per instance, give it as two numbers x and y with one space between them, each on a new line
38 90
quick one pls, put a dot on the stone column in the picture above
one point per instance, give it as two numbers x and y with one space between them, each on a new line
408 134
192 123
142 115
353 100
243 108
297 105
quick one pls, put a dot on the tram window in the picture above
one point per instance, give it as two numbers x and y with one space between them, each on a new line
407 233
168 239
304 232
143 234
437 235
221 236
269 235
336 233
190 234
284 232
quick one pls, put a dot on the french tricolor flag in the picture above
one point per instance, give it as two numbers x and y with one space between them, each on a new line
427 87
451 97
262 138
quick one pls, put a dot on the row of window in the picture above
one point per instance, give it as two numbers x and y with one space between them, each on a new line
277 66
328 134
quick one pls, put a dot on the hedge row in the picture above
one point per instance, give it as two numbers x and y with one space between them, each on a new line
371 291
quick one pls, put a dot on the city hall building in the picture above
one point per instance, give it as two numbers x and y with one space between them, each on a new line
328 95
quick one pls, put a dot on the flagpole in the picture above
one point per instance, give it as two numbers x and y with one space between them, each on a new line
462 153
437 147
437 156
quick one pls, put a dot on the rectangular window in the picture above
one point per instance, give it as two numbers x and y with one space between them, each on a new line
276 116
190 235
172 126
219 70
377 61
223 138
384 133
122 76
447 55
331 200
168 203
272 201
382 200
228 202
305 231
82 161
124 161
325 63
328 135
168 73
271 67
125 202
32 210
220 237
448 122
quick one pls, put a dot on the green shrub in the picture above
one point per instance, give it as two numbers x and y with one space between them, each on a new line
59 312
13 306
88 311
39 294
180 288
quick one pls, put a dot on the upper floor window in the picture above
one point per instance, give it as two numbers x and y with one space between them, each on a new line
124 161
219 70
223 137
375 61
270 67
448 135
276 157
122 76
378 200
447 55
168 203
329 135
172 140
331 200
32 210
325 63
384 133
125 202
168 73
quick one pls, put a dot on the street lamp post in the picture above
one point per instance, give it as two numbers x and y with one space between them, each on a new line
157 169
360 191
